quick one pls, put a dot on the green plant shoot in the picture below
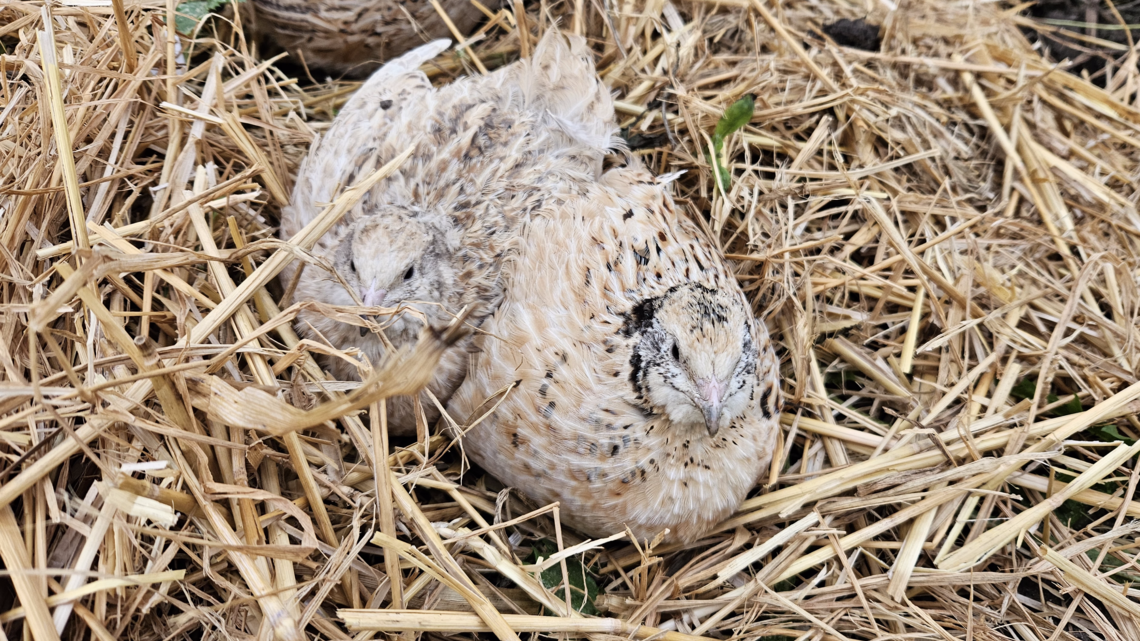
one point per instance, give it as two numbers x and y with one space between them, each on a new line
583 588
734 118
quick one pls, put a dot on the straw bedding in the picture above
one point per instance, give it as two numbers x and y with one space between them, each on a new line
941 232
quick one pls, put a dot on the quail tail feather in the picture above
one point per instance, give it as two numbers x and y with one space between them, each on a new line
560 78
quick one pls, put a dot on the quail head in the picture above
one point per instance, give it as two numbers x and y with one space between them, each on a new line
391 261
694 361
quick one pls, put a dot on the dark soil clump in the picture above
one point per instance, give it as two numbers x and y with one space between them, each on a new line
857 34
1066 21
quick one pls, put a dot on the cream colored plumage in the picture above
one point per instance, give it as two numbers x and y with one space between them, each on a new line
645 392
489 150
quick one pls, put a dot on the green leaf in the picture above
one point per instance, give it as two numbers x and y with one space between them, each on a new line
1074 515
1106 487
1111 563
1027 387
787 585
843 381
1109 433
735 117
583 588
191 13
1024 389
1072 407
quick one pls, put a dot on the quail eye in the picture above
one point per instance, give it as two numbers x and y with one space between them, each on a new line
676 352
408 274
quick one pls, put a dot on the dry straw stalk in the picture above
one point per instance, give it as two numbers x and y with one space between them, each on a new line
940 229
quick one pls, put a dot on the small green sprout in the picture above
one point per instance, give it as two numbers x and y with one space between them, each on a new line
583 588
734 118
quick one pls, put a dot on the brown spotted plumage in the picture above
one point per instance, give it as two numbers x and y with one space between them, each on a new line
645 393
353 37
489 150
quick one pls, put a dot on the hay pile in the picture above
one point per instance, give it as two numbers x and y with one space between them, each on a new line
942 232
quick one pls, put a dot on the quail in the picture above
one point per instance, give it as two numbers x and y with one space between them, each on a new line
432 238
643 392
353 37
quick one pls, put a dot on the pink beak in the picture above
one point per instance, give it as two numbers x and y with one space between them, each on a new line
712 401
373 297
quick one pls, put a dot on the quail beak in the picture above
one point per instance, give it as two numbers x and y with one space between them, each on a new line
373 296
712 402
